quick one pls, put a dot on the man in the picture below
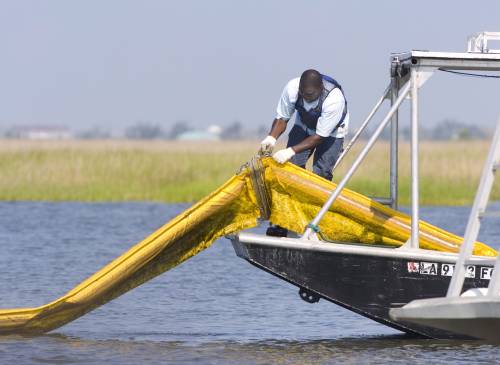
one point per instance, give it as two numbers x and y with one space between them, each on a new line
320 125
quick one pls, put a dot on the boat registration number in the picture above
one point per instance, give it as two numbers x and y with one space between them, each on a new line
435 268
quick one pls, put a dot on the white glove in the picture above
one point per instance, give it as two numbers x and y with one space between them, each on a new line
283 156
267 143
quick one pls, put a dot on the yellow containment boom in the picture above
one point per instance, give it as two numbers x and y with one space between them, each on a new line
294 197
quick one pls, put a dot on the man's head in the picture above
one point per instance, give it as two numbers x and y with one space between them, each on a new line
311 85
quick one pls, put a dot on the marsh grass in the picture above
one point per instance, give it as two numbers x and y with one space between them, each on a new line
185 172
449 172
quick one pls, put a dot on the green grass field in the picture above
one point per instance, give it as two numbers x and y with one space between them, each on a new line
179 172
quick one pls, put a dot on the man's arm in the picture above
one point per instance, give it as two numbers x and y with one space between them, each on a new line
308 143
278 127
283 156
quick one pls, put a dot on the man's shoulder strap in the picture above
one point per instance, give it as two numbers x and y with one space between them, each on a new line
336 85
332 81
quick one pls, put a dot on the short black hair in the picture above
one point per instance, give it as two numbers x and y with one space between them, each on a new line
311 78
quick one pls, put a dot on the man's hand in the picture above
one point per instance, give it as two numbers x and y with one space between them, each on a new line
267 143
283 156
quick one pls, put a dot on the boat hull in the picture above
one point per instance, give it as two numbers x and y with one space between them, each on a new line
365 283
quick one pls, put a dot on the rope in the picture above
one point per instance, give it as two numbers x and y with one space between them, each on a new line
470 74
259 186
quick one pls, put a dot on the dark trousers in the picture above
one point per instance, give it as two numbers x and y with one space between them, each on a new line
325 154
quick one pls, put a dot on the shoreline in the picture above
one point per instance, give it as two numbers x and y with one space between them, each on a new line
184 172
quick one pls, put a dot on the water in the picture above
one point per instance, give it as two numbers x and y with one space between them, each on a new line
213 309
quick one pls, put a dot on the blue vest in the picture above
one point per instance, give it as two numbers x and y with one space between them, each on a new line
310 117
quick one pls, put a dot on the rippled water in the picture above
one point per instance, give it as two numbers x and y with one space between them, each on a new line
215 308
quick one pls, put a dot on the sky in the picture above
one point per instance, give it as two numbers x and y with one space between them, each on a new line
116 62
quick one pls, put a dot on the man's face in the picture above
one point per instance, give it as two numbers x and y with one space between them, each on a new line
310 92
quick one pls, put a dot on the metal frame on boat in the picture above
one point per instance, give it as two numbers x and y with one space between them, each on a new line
372 280
476 312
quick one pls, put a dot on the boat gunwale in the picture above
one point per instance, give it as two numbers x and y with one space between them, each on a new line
356 248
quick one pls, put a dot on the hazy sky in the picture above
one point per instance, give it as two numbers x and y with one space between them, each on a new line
112 63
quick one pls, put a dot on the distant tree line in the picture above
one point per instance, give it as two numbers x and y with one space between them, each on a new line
144 130
447 129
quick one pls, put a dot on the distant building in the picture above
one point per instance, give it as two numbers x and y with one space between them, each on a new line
39 132
212 133
214 129
198 135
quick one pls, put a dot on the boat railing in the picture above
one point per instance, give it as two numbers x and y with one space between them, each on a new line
474 224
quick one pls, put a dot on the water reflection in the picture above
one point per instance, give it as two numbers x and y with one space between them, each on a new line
59 348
